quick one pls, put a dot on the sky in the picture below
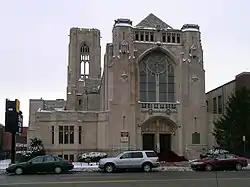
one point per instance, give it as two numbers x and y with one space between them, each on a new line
34 39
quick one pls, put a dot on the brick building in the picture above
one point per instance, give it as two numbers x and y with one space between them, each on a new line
217 99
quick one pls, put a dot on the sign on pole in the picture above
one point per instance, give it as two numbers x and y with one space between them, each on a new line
13 117
244 138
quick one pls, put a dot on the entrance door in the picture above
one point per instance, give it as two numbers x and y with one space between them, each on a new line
165 142
165 147
148 141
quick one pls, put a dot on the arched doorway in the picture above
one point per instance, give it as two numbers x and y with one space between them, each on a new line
157 135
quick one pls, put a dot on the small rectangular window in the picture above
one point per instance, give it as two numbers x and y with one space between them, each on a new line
71 158
142 36
173 38
136 36
215 105
80 102
168 38
151 37
66 134
147 36
60 156
71 136
178 38
60 134
220 104
80 135
52 134
66 157
164 37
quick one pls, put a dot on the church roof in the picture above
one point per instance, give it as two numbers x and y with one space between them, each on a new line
151 21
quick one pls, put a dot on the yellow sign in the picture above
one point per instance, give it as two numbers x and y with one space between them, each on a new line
17 105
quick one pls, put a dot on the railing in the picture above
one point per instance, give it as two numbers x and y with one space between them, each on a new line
159 106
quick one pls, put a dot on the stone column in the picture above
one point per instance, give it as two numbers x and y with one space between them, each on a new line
157 137
56 135
139 138
180 140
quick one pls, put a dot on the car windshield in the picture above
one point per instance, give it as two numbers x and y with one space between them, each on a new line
119 155
211 157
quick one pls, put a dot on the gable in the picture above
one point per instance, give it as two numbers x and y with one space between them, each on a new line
151 21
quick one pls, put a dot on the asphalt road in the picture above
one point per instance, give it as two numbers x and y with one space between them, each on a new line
154 179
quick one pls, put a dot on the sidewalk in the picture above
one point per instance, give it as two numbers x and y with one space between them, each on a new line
176 164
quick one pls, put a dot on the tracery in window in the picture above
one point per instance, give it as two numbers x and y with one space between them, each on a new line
157 78
84 57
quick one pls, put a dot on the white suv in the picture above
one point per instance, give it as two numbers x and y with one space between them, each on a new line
145 160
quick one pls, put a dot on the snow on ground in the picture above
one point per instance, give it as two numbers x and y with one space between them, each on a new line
93 167
5 163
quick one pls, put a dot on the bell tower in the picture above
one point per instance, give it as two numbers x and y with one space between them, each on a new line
84 65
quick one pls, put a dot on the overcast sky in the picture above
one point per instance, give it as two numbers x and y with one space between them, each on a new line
34 39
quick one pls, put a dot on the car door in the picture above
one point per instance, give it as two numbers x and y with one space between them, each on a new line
231 161
137 159
125 161
35 165
221 161
49 163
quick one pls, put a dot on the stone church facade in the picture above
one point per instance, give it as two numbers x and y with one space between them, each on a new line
150 94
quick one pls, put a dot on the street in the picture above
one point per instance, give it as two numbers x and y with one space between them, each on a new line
159 179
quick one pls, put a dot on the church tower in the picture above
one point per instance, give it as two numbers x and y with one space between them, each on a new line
84 66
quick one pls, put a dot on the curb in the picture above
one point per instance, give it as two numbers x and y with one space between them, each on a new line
160 169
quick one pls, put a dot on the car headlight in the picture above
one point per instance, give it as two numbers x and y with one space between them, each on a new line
196 163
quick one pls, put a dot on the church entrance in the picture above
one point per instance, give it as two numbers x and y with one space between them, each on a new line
165 143
157 135
165 153
148 141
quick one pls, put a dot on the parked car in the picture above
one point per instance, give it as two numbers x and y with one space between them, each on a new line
224 161
145 160
42 164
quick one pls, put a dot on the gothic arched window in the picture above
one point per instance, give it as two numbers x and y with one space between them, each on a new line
157 78
84 55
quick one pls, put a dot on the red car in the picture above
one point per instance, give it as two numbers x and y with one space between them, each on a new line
220 162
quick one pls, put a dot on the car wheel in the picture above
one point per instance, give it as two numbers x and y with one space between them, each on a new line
208 167
238 167
19 171
109 168
147 167
58 170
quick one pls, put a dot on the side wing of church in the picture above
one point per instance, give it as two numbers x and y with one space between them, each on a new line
150 95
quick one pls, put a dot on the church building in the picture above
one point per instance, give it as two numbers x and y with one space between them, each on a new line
150 94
